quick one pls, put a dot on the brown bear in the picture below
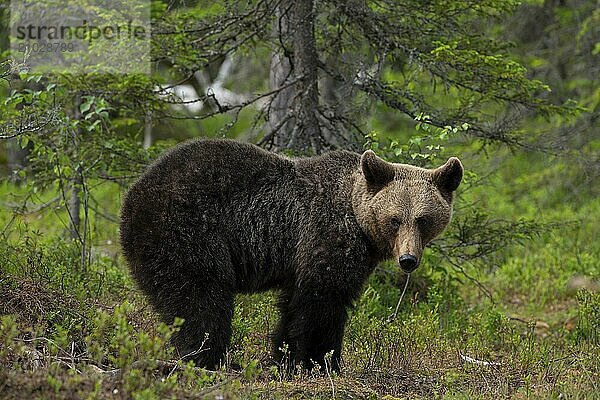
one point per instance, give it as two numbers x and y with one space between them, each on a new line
212 218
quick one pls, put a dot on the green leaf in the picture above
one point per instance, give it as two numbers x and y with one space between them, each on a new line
85 107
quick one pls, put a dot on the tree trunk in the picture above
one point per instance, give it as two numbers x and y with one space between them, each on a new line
147 130
292 113
74 206
279 121
307 133
74 202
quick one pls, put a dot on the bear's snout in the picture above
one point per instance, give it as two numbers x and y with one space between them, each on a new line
408 263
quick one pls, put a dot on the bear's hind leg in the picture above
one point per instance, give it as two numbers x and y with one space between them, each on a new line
282 346
206 305
206 330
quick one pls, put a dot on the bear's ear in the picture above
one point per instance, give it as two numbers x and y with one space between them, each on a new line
448 176
377 172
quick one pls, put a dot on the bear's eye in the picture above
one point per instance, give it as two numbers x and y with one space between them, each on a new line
395 223
423 222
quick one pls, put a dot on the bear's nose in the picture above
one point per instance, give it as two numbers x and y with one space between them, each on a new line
408 263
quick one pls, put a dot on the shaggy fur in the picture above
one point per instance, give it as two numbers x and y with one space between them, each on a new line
212 218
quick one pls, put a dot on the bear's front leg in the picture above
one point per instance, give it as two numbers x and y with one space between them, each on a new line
312 325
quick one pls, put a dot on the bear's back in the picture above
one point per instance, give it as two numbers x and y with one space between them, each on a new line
217 164
196 188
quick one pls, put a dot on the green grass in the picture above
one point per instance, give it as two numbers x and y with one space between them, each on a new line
83 331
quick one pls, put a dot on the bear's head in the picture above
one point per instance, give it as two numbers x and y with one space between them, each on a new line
402 207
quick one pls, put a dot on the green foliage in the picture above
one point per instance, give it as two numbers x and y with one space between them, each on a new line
115 339
58 264
423 148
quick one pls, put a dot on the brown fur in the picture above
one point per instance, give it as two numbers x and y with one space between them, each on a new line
212 218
